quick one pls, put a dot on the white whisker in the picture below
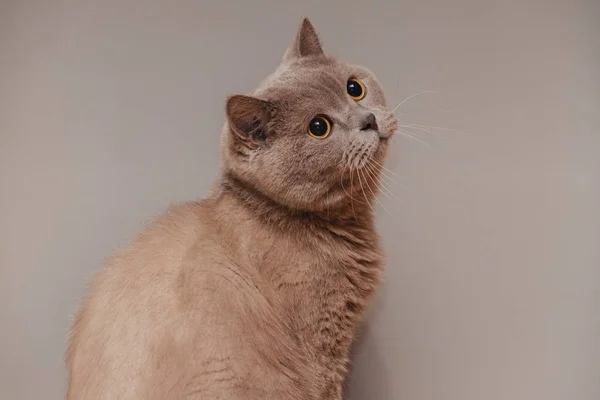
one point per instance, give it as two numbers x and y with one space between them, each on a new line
363 191
394 182
418 140
410 97
418 128
373 193
391 172
429 127
390 178
352 198
345 191
382 185
372 173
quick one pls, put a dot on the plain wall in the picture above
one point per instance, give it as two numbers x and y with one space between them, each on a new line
110 110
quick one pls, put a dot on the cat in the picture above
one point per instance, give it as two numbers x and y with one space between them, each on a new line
256 291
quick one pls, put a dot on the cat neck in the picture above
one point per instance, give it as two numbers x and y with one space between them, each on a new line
261 206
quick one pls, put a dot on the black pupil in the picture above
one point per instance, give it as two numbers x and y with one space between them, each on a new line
318 126
353 88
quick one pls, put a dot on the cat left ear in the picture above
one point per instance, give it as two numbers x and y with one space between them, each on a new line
306 44
248 119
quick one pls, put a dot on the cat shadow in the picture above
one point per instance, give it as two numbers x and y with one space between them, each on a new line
368 378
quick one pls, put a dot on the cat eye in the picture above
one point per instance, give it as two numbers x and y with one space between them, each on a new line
319 127
355 88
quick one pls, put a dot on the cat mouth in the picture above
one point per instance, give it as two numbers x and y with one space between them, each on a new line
383 141
390 128
371 153
383 136
366 151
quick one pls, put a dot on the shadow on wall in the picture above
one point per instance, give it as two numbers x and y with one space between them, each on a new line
369 379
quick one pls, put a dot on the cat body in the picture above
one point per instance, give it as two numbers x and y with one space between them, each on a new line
256 291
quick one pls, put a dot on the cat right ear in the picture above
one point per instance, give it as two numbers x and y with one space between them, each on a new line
248 119
306 43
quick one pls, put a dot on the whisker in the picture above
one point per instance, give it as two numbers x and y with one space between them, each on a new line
373 193
379 183
418 140
389 177
382 185
392 193
345 191
380 165
430 127
372 173
410 97
352 198
363 191
418 128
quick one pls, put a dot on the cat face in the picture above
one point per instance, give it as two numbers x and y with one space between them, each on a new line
314 134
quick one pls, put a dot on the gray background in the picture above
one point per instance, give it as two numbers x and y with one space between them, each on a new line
110 110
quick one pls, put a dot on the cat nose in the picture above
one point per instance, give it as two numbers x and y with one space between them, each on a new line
369 123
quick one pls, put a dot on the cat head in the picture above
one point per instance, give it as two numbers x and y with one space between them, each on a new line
313 135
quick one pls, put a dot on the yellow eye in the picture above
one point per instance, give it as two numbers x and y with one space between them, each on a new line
356 89
319 127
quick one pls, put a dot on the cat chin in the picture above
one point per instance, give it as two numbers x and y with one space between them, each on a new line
377 151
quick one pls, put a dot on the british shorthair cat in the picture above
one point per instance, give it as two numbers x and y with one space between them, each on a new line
256 291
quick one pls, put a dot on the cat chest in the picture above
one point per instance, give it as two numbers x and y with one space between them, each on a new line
323 292
327 305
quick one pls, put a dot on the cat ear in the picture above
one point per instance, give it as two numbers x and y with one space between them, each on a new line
248 119
306 44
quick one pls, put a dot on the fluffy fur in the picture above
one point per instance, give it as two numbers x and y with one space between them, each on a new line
254 292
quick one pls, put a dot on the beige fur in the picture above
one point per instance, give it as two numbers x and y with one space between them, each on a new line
254 292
